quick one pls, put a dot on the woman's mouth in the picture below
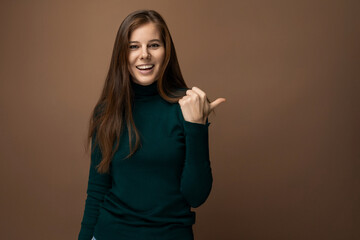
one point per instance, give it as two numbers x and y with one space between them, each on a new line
145 69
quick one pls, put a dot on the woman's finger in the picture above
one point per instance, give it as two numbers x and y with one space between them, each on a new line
190 92
216 103
201 93
193 94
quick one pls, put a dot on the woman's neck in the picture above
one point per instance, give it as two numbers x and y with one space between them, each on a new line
141 91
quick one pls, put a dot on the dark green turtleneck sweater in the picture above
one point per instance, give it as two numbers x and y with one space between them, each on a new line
149 196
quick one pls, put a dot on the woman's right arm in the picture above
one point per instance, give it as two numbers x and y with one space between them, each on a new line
98 186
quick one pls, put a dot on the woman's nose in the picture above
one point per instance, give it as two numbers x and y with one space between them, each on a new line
145 53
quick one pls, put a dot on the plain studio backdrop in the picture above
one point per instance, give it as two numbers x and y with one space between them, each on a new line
284 148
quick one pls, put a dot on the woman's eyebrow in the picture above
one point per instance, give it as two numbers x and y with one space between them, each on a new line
152 40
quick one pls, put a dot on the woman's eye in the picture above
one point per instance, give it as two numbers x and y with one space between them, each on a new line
133 47
155 45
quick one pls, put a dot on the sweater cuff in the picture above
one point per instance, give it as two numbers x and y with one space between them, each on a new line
196 129
197 143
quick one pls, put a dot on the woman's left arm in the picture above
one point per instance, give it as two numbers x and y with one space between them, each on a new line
196 179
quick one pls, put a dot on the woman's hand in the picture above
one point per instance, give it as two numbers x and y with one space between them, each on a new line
195 107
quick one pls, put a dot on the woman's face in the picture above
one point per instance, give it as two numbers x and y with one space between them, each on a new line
146 54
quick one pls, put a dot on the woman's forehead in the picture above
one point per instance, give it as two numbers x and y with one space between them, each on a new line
145 32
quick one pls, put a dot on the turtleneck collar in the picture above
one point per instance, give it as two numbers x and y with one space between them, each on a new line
141 91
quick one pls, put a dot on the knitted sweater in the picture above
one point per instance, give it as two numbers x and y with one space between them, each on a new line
149 195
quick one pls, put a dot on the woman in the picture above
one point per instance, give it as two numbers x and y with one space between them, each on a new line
149 136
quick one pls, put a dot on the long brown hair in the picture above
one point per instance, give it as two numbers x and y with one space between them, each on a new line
114 107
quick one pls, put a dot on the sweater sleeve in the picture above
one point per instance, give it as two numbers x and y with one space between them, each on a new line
98 186
196 179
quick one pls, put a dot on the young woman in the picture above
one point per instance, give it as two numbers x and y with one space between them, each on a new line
149 139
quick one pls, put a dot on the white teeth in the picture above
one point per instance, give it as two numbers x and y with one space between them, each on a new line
145 67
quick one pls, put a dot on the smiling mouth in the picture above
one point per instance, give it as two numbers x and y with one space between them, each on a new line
145 67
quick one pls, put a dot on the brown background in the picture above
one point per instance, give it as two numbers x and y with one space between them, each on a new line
284 147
